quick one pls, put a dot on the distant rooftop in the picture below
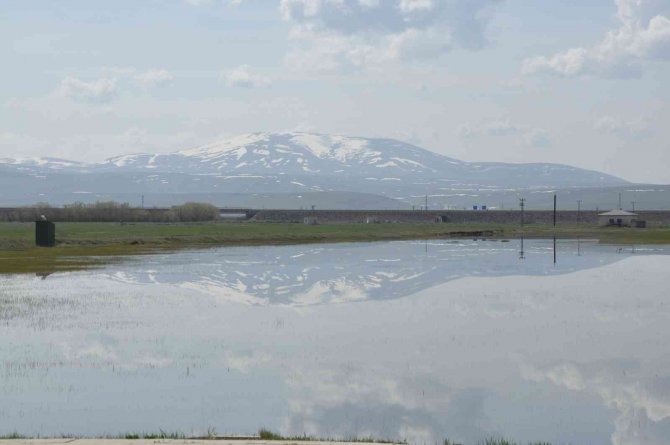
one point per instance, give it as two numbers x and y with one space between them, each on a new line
618 213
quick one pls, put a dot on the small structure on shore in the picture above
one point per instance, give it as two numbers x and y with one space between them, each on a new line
45 233
620 218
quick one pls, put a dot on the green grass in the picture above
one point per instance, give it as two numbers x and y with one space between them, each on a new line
21 235
90 245
494 441
265 434
159 435
268 435
12 436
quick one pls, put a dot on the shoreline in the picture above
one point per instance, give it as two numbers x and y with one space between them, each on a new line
83 246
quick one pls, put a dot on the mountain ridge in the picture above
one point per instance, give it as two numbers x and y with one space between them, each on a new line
311 153
291 163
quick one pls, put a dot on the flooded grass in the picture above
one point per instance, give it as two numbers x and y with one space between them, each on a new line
21 235
153 436
265 434
268 435
500 441
12 436
90 245
497 441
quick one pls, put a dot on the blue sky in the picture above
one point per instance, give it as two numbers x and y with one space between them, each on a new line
576 82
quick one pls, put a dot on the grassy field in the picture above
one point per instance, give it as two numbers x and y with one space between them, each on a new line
84 245
263 435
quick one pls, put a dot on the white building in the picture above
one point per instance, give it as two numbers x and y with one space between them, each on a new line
621 218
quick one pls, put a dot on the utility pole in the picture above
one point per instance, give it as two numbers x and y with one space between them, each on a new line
554 210
522 204
579 211
554 249
426 203
633 203
620 208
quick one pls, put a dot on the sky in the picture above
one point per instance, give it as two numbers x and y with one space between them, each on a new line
584 83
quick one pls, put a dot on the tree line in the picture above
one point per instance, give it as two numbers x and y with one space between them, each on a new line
111 211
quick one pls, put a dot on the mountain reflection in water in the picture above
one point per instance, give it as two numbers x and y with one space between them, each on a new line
334 273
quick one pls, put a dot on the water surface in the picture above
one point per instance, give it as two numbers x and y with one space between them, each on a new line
417 340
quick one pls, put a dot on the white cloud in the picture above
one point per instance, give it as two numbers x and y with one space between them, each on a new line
210 2
332 34
643 36
567 63
623 128
329 51
154 77
530 136
99 90
243 77
415 5
537 137
16 144
640 401
113 79
369 3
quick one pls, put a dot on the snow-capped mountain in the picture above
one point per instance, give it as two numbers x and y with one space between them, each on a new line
261 163
308 154
293 153
41 163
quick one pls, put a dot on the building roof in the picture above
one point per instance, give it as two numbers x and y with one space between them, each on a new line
618 213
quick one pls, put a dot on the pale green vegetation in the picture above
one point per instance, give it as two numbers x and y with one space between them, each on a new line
268 435
265 434
84 245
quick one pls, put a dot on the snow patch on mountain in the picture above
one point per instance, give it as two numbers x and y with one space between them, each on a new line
236 145
42 162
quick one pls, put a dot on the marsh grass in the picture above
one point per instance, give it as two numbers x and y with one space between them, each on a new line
12 436
90 245
265 434
496 441
500 441
159 435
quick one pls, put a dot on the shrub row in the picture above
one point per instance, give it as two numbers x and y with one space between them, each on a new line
113 212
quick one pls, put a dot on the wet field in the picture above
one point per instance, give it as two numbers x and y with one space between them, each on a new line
420 340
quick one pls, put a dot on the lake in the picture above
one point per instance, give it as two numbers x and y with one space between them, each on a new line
421 340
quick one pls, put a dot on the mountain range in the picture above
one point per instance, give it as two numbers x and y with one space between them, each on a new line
291 164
